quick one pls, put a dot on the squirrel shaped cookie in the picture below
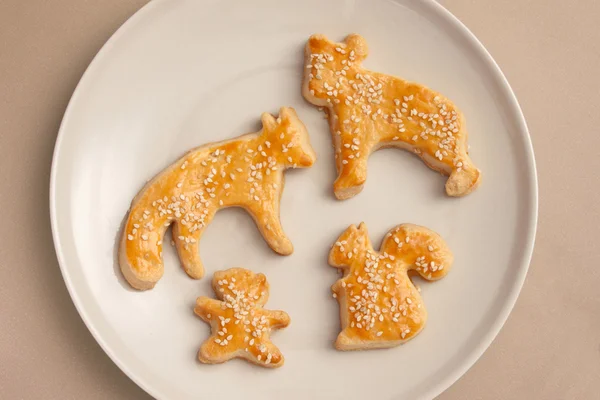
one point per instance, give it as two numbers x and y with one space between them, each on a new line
243 172
370 110
379 305
240 326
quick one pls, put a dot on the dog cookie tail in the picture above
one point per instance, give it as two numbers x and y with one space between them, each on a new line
463 179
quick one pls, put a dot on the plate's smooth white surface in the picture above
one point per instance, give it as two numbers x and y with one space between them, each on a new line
182 73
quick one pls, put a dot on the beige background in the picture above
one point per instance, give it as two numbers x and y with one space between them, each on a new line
548 349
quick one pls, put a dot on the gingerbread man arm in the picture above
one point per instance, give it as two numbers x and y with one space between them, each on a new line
420 249
207 308
277 319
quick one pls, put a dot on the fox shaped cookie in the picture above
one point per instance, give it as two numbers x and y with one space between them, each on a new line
370 110
244 172
379 305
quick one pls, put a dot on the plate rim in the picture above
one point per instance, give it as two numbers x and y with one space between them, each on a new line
531 225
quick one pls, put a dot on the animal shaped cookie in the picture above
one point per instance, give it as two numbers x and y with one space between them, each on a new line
240 327
379 305
244 172
370 110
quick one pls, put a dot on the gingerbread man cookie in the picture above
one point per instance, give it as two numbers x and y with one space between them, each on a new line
370 110
240 326
244 172
379 305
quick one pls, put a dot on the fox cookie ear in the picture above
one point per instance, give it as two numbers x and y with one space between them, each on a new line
358 44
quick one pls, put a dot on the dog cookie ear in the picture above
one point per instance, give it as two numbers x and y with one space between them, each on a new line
317 43
358 44
268 122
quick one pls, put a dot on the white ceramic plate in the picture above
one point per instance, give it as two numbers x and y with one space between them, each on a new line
182 73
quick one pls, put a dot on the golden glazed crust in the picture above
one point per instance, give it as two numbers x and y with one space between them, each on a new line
370 110
379 305
244 172
240 326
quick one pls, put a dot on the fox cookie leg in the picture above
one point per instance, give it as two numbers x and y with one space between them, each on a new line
187 242
266 217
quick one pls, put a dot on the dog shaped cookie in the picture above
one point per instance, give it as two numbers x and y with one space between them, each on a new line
240 326
379 305
370 110
244 172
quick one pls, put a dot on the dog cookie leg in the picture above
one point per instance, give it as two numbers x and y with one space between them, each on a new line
464 178
187 242
352 174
